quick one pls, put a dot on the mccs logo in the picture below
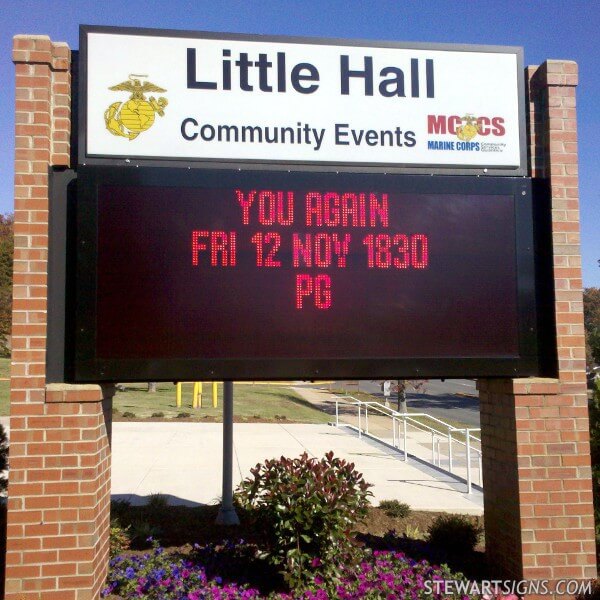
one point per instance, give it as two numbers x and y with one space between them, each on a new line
467 127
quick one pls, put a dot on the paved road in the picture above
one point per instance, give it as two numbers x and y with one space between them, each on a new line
452 399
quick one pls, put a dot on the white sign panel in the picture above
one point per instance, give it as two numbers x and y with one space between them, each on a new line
170 95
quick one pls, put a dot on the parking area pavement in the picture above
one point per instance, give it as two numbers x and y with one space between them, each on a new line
184 462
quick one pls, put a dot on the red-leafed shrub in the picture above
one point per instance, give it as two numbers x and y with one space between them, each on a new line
308 509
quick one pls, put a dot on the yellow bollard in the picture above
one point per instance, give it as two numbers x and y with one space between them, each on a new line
198 393
195 395
214 394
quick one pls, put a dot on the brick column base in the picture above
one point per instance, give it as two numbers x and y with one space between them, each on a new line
539 521
59 495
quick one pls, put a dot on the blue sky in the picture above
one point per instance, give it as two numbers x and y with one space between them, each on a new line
546 29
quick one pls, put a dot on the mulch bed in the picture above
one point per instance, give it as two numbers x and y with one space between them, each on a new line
179 527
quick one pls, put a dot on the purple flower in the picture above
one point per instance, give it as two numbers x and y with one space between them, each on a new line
385 575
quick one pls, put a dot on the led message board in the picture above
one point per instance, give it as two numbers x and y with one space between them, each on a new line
193 274
156 95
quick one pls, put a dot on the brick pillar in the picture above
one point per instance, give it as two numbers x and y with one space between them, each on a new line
539 516
59 485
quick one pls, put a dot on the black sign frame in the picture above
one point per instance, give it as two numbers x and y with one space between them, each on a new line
84 366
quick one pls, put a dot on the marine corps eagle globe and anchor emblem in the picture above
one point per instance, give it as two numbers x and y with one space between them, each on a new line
136 115
469 130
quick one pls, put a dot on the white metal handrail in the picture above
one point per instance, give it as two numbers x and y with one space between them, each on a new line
410 416
444 432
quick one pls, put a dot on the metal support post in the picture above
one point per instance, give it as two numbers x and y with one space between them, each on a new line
227 514
468 442
178 395
405 452
450 450
359 422
366 418
394 439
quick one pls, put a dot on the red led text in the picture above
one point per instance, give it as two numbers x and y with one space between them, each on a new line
221 246
266 248
320 249
272 207
331 209
399 251
314 246
318 287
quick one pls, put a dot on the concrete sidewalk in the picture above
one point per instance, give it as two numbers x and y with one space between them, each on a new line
184 461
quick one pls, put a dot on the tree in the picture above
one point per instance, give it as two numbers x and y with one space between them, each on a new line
6 269
591 320
400 387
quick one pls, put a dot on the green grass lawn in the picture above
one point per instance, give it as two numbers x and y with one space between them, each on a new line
4 368
252 402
